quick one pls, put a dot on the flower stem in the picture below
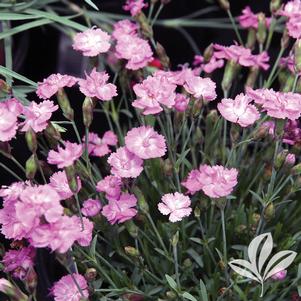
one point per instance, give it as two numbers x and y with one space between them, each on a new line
235 27
175 255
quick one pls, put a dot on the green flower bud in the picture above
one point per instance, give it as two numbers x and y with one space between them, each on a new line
90 274
171 295
187 263
274 6
131 251
280 159
142 204
52 135
297 51
251 38
296 170
65 104
4 87
71 177
197 212
285 39
255 219
132 228
208 53
175 239
31 167
164 59
262 29
31 140
269 212
167 167
224 4
230 73
88 107
145 27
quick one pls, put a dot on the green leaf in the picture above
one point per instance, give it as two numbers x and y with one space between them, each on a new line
5 71
11 16
189 297
24 27
92 4
93 246
171 282
181 159
203 289
197 258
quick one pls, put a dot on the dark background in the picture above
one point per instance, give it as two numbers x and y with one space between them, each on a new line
43 51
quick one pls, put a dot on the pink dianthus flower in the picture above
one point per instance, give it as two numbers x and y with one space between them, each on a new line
145 142
111 186
53 83
176 205
91 207
134 6
92 42
123 28
66 156
119 211
250 20
95 85
239 110
125 164
181 102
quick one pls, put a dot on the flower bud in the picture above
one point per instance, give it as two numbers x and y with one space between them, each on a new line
65 104
252 77
171 295
5 149
131 251
31 167
145 27
142 204
229 74
90 274
296 170
31 140
88 107
280 159
220 203
52 135
71 177
197 212
224 4
208 53
297 53
251 38
269 212
4 87
241 229
132 228
167 167
279 275
235 133
132 297
262 29
290 160
187 263
164 59
274 6
267 172
285 39
212 116
255 218
175 239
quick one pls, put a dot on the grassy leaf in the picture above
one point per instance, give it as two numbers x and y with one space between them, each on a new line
189 297
7 72
204 293
91 4
171 282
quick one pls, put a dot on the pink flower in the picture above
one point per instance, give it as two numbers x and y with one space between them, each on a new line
53 83
292 132
145 142
91 207
119 211
66 156
216 181
12 192
212 65
292 8
176 204
123 28
200 87
290 159
92 42
181 102
37 115
242 56
279 275
125 164
111 186
239 110
100 147
153 92
135 50
277 104
19 261
9 111
250 20
95 85
134 6
294 26
61 235
59 182
66 289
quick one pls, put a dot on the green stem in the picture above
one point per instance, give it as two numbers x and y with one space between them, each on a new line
11 172
79 211
235 27
175 255
157 14
76 132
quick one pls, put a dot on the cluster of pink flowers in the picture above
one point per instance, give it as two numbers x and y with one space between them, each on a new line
216 181
19 262
52 84
239 110
242 56
99 147
59 182
111 186
250 20
37 115
95 85
292 10
35 213
277 104
120 210
66 289
92 42
66 156
134 6
9 112
130 47
176 205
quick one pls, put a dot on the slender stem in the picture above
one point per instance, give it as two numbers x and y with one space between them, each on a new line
76 132
11 172
224 233
79 211
157 14
175 255
235 27
18 164
150 12
78 286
